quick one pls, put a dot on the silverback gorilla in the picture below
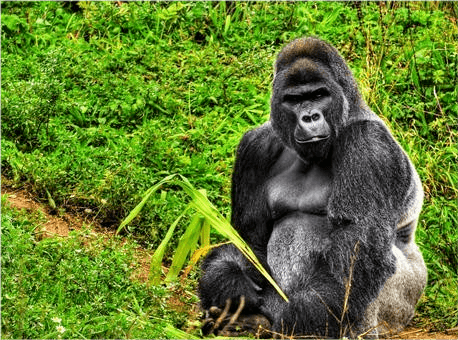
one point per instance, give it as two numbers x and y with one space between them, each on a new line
329 203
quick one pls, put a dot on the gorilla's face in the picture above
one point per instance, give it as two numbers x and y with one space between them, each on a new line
306 109
308 104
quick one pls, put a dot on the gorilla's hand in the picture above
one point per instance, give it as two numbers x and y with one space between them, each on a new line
225 279
223 323
228 286
234 283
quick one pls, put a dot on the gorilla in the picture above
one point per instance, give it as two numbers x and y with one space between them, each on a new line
329 203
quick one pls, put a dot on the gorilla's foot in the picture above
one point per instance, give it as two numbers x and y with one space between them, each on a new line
222 323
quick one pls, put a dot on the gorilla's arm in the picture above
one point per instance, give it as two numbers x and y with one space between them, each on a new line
371 173
257 153
226 273
372 176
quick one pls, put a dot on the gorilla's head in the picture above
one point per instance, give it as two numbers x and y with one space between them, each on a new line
313 95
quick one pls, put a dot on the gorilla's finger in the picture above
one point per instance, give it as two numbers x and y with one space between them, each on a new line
207 326
238 311
223 314
214 312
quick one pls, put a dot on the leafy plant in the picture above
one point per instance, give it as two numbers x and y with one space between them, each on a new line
198 226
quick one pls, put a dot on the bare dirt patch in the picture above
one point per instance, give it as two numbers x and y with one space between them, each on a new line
62 225
416 333
54 225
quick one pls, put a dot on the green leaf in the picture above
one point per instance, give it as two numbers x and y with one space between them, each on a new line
187 243
213 217
205 234
156 260
139 207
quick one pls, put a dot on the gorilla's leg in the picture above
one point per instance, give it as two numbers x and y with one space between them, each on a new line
296 258
394 307
314 307
317 297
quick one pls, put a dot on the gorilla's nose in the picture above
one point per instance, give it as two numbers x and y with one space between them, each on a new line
311 119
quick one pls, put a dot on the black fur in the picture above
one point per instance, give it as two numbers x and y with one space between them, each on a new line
364 201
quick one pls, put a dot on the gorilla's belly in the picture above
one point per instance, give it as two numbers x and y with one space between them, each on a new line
296 241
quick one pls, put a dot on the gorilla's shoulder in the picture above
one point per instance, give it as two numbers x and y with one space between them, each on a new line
261 141
259 148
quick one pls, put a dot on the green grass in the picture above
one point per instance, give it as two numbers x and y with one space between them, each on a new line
101 101
77 287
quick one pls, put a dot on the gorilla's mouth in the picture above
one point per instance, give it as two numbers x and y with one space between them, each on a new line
311 139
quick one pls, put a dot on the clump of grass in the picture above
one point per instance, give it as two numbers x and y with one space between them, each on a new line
199 227
77 287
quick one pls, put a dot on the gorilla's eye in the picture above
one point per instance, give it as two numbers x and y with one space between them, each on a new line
318 94
296 98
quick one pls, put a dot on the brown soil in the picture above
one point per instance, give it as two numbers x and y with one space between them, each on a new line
54 225
62 225
417 333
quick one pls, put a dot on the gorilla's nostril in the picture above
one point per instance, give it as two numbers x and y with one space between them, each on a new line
306 119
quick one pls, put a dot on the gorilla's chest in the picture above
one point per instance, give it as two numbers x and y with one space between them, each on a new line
297 197
299 188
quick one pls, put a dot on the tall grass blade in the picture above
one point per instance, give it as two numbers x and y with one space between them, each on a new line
205 234
227 24
139 206
213 217
187 244
156 260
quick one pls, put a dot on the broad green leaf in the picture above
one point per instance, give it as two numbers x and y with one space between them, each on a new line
205 234
156 260
212 216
